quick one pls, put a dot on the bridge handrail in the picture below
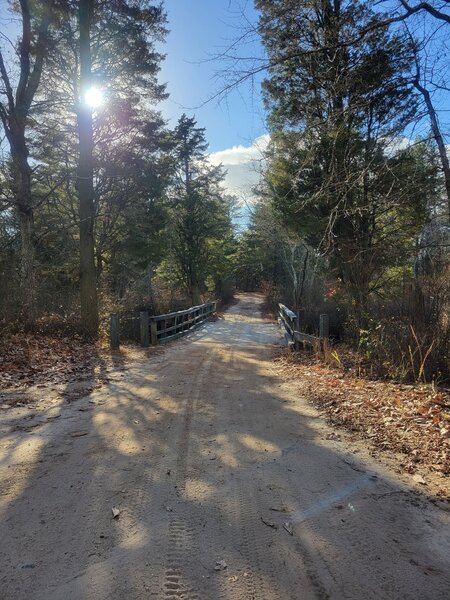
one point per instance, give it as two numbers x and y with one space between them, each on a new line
179 312
180 322
290 321
288 318
156 329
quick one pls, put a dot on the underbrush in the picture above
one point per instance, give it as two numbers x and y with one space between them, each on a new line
394 349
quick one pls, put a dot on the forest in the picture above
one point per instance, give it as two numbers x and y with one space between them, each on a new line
105 208
224 299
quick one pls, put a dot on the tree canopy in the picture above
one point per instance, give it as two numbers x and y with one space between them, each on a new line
104 206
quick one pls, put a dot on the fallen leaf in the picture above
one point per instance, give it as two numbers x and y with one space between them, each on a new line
333 436
419 479
288 526
438 398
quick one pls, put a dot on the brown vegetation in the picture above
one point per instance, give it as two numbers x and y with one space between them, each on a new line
412 420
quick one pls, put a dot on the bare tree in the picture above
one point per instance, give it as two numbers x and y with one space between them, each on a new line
420 84
435 9
15 107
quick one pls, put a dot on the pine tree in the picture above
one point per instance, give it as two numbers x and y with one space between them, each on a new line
118 141
335 108
200 211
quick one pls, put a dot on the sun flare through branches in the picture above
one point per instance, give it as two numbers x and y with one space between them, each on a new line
94 97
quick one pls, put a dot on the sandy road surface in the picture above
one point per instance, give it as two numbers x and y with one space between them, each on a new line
207 453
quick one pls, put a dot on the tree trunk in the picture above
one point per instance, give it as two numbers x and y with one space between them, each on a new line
437 136
27 267
85 184
14 112
21 183
195 294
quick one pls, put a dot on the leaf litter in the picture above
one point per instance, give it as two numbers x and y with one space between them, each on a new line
412 420
47 362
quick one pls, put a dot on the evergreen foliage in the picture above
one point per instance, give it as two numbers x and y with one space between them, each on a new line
140 217
200 227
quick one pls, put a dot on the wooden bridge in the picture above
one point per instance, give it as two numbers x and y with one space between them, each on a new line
158 329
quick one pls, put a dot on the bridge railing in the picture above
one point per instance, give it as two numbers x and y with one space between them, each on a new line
288 319
291 324
158 329
172 325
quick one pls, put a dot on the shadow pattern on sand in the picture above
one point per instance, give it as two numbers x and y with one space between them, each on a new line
211 463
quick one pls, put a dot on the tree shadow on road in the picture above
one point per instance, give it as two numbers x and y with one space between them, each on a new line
212 464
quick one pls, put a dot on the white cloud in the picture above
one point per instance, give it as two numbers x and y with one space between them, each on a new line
241 154
396 145
243 165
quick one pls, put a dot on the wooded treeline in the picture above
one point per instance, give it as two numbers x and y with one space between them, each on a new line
353 217
101 207
105 208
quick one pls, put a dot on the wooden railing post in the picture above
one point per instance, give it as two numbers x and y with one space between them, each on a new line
300 319
153 332
324 326
145 332
114 331
295 327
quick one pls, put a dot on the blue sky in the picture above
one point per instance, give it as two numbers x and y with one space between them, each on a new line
199 30
235 125
235 128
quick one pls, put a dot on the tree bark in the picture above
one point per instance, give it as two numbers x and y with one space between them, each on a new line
21 188
85 182
195 295
437 136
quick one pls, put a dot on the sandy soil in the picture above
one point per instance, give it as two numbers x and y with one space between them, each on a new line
229 486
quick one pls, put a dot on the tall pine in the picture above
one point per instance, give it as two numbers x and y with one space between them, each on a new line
336 106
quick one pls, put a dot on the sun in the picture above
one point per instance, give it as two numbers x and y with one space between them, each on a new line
94 97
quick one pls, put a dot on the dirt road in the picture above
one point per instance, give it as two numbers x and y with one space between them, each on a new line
213 463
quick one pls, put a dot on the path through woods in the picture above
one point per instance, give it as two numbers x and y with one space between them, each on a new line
226 483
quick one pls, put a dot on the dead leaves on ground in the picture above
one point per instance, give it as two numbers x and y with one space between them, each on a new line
410 419
45 361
